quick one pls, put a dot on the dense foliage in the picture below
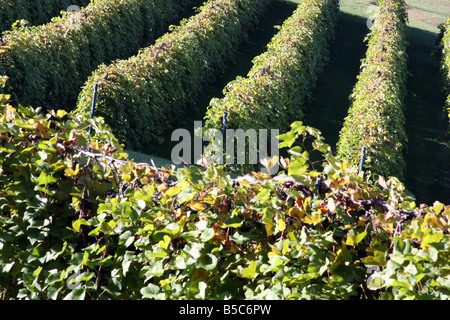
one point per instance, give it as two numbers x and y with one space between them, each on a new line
275 89
35 12
376 117
78 220
142 96
445 46
48 64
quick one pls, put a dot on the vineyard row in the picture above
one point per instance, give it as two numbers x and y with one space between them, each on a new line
48 64
141 96
376 117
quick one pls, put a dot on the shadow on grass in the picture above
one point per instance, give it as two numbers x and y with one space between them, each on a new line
330 99
428 161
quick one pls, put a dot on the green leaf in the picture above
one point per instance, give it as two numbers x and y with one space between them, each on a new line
180 263
189 235
321 146
354 240
76 294
45 179
376 260
263 195
8 148
249 272
185 196
207 261
298 167
150 291
296 151
239 238
207 234
433 238
78 223
126 239
286 140
172 228
172 191
232 222
298 127
202 290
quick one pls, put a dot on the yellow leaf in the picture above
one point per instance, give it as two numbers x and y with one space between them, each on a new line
295 212
38 126
61 113
94 145
209 199
434 221
345 165
4 98
165 242
281 225
291 236
269 228
172 191
315 217
261 176
126 177
197 206
69 172
354 240
437 207
306 203
285 246
249 272
9 114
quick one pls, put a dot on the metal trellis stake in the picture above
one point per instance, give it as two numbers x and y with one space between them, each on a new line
317 186
363 159
224 122
94 101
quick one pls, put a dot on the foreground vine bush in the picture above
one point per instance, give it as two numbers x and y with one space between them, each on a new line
376 117
35 12
78 220
48 64
143 95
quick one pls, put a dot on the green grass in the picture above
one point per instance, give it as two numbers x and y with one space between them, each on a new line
140 157
428 161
